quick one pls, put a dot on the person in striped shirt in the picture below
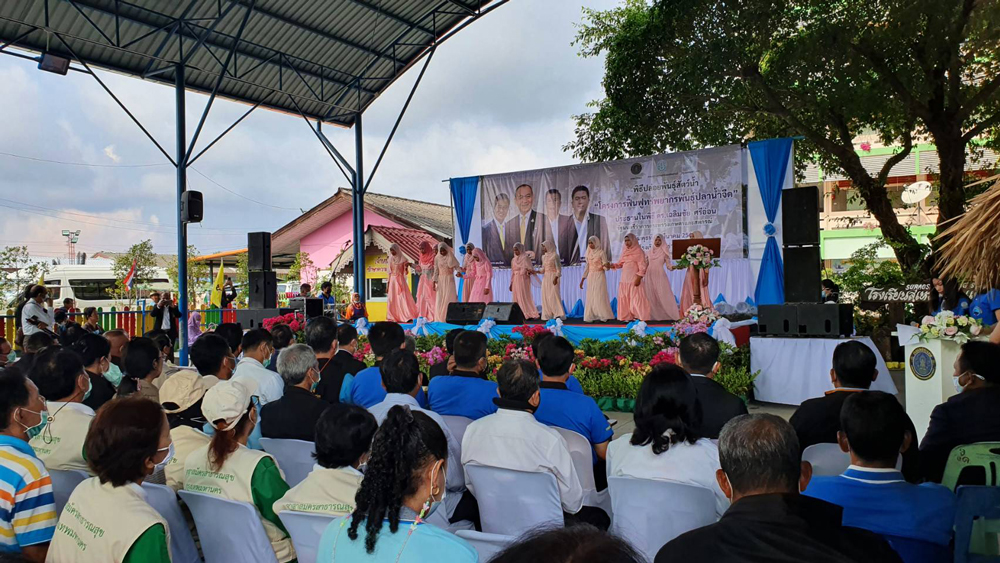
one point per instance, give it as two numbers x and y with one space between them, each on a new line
27 507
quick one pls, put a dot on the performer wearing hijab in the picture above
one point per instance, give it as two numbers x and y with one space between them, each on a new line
426 292
632 302
597 304
551 271
468 272
662 303
445 266
355 309
521 271
482 287
400 307
695 289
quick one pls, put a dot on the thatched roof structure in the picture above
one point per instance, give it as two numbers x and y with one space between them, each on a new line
971 252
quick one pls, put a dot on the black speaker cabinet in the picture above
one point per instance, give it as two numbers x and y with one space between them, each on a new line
777 320
505 313
465 313
258 252
310 307
263 290
192 207
800 216
820 319
254 318
802 274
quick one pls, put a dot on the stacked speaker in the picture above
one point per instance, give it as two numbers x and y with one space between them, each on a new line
263 281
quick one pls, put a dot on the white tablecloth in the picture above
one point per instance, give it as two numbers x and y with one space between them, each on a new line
795 369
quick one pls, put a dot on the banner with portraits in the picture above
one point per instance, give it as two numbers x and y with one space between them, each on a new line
694 194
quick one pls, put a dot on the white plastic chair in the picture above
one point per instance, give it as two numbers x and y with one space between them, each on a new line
513 502
583 460
295 457
305 528
650 513
826 459
487 545
63 483
457 425
228 530
164 500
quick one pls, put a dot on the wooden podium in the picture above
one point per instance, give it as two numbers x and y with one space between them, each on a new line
681 245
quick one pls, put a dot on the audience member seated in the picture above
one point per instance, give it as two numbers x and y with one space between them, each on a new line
32 345
118 340
71 332
282 337
226 467
511 438
60 378
343 443
664 445
441 368
817 420
569 545
699 355
143 362
404 484
128 441
92 320
873 493
162 340
572 383
294 415
762 473
367 390
27 507
95 354
971 415
257 347
337 369
465 391
213 357
233 333
181 397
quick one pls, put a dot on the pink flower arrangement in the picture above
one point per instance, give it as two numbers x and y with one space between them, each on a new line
530 332
514 352
295 321
595 363
435 355
698 256
667 355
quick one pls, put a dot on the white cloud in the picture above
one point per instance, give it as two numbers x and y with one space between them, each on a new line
109 151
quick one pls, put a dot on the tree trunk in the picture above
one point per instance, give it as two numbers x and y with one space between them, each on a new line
951 200
877 201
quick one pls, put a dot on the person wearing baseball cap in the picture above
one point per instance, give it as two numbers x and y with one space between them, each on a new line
226 467
181 397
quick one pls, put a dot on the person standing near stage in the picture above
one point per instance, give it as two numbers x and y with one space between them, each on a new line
695 291
482 291
521 271
426 292
632 302
468 272
597 304
445 266
552 307
400 307
662 303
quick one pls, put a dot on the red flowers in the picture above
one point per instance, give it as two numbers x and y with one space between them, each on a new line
295 321
530 332
664 356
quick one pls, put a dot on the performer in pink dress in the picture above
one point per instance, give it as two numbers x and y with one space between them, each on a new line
482 288
695 289
662 303
426 294
445 267
632 302
597 304
468 273
521 271
400 307
552 307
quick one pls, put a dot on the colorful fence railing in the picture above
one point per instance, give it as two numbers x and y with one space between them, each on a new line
134 323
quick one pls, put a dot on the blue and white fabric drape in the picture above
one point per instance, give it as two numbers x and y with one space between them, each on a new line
770 164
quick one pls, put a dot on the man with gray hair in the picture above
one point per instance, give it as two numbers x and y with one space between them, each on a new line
294 415
762 474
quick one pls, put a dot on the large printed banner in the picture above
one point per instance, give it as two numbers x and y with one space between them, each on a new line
680 195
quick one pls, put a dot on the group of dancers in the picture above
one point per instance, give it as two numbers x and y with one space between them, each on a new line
644 291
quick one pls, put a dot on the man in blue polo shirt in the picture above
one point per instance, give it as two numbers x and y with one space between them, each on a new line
572 383
366 389
873 493
465 391
986 308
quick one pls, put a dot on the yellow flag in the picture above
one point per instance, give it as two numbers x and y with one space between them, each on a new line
220 280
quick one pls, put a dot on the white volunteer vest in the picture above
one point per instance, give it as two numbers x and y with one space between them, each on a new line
324 491
186 440
101 522
70 422
232 481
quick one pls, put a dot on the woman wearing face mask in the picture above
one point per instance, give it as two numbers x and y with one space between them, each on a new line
129 440
181 397
407 470
143 362
227 468
95 353
59 375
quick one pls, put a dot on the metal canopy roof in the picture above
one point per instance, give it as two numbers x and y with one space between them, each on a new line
325 59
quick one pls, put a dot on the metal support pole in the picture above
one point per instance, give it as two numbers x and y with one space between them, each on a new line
358 201
182 164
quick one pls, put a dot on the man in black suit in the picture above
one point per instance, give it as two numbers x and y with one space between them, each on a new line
294 415
817 420
334 347
971 415
493 231
762 473
165 314
699 355
586 225
523 227
558 227
441 368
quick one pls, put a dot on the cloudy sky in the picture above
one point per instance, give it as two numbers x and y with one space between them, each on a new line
497 97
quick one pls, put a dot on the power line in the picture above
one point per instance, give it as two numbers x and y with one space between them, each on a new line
199 172
105 218
84 164
148 229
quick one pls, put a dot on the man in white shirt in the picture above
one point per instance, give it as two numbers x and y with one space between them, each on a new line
35 316
257 347
60 377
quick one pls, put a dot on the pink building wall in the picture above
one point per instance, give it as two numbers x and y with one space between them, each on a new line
324 244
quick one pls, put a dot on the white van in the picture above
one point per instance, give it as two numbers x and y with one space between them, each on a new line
90 285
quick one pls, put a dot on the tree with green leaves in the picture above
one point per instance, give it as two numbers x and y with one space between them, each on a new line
302 269
241 279
686 74
199 279
140 253
17 270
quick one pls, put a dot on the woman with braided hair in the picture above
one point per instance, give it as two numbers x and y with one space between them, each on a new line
404 484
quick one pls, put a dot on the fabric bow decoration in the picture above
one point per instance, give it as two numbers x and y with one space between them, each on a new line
720 330
486 325
638 327
420 327
362 326
555 326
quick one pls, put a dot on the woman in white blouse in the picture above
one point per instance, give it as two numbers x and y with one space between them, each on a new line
664 445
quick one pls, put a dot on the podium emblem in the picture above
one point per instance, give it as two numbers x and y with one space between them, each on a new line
922 363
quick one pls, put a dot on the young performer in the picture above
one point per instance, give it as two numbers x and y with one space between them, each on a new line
445 265
662 303
426 292
551 271
400 307
632 302
597 304
468 273
521 271
695 289
483 284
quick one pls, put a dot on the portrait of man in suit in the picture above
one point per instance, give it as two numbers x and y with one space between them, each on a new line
493 231
558 227
522 226
586 225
